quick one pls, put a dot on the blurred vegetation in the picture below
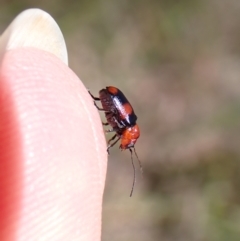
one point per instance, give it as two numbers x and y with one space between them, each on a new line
178 63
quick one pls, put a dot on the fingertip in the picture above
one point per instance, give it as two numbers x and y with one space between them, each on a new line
63 148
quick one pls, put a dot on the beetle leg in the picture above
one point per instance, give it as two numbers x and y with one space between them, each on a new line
112 144
95 98
112 139
98 107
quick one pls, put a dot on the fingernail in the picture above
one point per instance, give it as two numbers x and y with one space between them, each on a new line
34 28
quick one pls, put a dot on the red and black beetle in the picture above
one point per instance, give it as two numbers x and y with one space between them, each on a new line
121 117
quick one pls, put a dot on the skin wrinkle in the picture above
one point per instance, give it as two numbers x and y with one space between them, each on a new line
101 177
96 141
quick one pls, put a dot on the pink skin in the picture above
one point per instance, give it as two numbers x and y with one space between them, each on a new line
53 155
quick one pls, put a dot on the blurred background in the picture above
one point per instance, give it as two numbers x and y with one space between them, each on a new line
178 62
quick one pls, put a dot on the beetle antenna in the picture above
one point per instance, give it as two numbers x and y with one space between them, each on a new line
140 164
134 174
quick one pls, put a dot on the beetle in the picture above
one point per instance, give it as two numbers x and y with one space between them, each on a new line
122 119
